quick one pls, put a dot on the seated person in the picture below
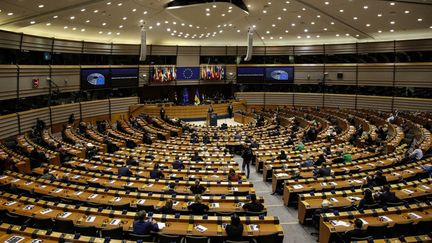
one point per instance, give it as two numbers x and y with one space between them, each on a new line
171 189
234 230
197 207
156 173
299 147
387 196
206 139
282 155
167 208
196 157
178 163
142 225
197 188
253 205
325 170
233 176
131 161
417 154
149 155
347 157
124 171
379 179
357 232
321 159
325 208
367 199
308 162
427 169
47 175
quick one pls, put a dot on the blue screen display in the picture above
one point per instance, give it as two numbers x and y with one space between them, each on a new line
250 74
95 78
279 74
124 77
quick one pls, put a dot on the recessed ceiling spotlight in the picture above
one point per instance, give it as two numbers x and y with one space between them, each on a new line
279 18
368 25
264 11
303 9
150 27
174 23
306 30
82 30
109 33
119 4
124 18
214 6
355 18
158 23
325 29
286 31
280 37
182 24
407 11
365 7
379 15
166 22
391 30
299 16
134 10
55 16
230 10
293 24
230 7
337 35
271 37
32 22
223 15
9 14
318 36
262 37
332 23
145 12
287 2
392 3
87 21
83 10
419 20
273 25
379 31
108 3
120 26
65 27
318 16
267 32
238 31
284 9
392 22
357 35
74 28
326 3
103 24
41 6
341 10
254 26
308 36
95 11
347 34
207 9
312 23
298 37
141 21
72 17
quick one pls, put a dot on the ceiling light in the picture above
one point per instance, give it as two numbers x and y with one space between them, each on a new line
312 23
238 31
337 35
134 10
166 22
72 17
332 23
392 3
87 21
118 33
299 16
124 18
304 9
379 31
306 30
279 18
214 6
10 14
293 24
357 35
365 7
318 36
74 28
103 24
208 14
55 16
318 16
83 10
48 24
32 22
141 21
230 7
82 30
254 26
280 37
100 32
325 29
286 31
271 37
65 27
308 36
109 33
190 25
392 22
108 3
287 2
392 30
419 20
355 18
326 3
341 10
95 11
229 11
174 23
368 25
207 9
158 23
267 32
182 24
284 9
150 27
407 11
120 26
262 37
347 34
41 6
145 12
119 4
264 11
273 25
379 15
298 37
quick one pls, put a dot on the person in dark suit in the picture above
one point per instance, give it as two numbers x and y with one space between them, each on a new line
247 159
387 196
150 155
323 171
124 171
379 179
167 208
253 205
178 163
234 230
198 208
367 199
130 161
196 157
171 189
197 188
230 110
210 109
156 173
357 232
143 226
162 113
282 155
321 159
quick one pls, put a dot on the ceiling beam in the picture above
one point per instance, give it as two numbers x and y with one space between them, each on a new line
335 18
50 12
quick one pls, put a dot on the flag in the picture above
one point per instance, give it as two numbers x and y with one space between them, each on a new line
188 73
197 97
185 96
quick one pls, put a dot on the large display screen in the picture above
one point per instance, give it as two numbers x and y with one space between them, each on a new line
213 72
250 74
124 77
163 74
95 78
279 74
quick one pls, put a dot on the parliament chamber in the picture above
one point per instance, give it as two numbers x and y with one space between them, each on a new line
215 121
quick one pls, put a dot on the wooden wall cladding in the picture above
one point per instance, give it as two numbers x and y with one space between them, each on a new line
8 84
61 113
121 105
94 108
96 48
36 43
66 46
412 104
67 78
308 74
375 75
10 40
28 118
251 98
8 126
157 50
279 98
27 74
339 101
121 49
307 99
413 76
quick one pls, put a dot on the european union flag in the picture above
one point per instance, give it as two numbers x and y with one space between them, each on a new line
188 73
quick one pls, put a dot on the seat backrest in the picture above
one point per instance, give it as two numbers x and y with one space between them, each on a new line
274 238
169 238
115 233
250 213
144 238
65 226
86 230
196 239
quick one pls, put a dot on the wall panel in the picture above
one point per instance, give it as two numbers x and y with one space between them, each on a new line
279 98
189 50
94 108
308 50
339 101
121 49
121 105
375 75
213 51
279 50
27 74
156 50
8 82
61 113
28 118
308 74
348 72
414 76
66 77
413 104
8 125
36 43
252 98
308 99
66 46
376 102
96 48
10 40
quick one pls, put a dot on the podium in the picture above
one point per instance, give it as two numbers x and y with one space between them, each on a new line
211 119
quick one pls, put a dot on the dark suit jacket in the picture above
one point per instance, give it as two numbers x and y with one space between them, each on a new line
234 232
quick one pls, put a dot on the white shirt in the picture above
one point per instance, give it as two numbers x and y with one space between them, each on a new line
417 153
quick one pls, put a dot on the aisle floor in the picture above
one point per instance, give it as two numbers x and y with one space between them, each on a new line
294 232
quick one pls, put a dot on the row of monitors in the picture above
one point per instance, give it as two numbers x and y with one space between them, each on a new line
103 78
